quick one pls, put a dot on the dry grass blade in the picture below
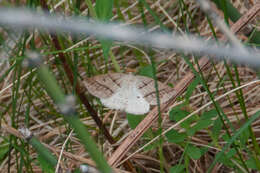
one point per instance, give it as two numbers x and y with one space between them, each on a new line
200 112
134 136
66 154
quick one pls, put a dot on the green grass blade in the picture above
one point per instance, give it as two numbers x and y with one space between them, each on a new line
103 10
71 117
234 137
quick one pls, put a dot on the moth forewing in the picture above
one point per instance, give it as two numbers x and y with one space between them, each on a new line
133 94
147 87
127 99
102 86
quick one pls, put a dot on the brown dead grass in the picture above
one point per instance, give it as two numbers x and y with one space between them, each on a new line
52 131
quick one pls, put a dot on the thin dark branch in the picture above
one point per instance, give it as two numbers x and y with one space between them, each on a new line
78 89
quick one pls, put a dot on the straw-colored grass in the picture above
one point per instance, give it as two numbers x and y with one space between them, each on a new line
191 147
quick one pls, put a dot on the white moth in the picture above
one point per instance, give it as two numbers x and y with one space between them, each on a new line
126 92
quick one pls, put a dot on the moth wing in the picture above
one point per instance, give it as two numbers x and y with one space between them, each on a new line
130 101
146 86
104 86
